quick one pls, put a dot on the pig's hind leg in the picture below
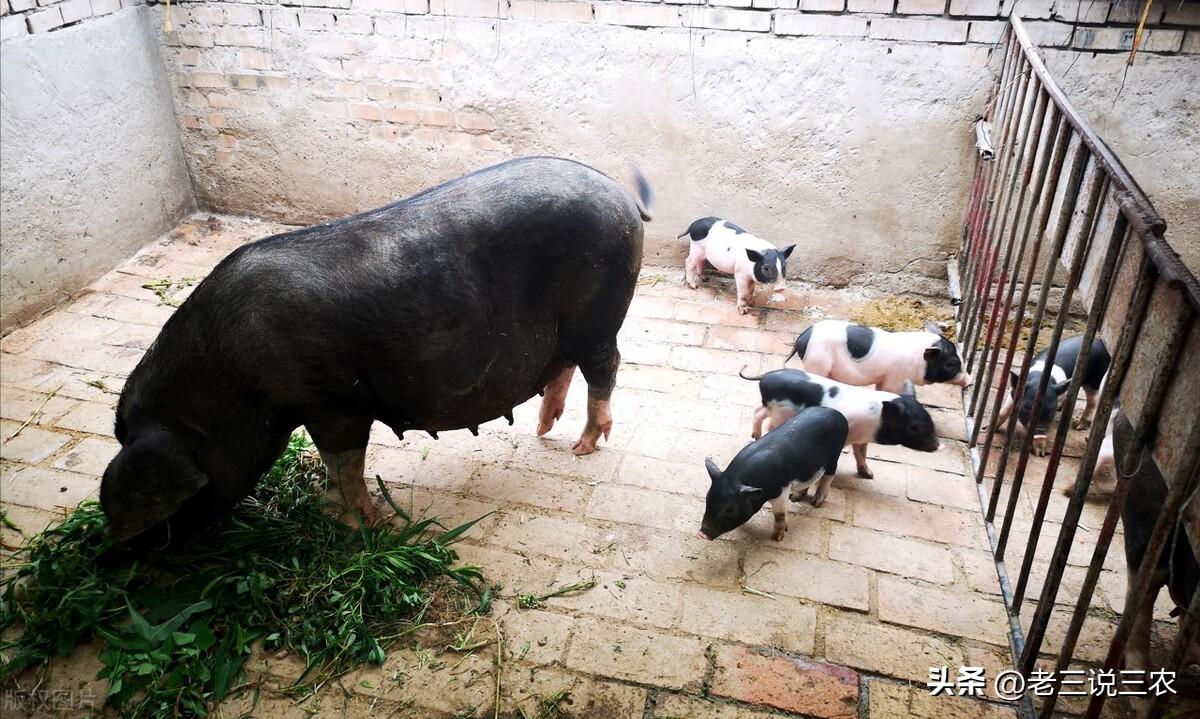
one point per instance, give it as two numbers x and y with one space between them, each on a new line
343 446
600 371
827 479
554 399
1089 410
860 461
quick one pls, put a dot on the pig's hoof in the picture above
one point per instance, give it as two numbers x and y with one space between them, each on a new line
743 309
1082 423
548 415
590 438
818 500
798 496
865 473
692 283
779 533
1068 490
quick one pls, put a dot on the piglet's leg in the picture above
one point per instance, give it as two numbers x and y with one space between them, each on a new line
760 414
860 461
823 489
694 265
745 293
1089 409
347 487
779 508
554 399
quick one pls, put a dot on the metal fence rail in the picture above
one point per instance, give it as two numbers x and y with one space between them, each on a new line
1054 213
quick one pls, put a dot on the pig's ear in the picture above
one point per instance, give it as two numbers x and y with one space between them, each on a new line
1015 376
932 327
754 256
908 390
932 354
711 466
750 491
787 251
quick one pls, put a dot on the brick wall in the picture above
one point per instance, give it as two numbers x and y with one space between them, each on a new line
23 17
809 121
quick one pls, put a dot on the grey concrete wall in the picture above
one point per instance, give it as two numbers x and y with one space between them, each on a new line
91 166
846 131
1153 125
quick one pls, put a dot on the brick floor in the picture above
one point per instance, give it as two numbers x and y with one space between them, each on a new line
842 618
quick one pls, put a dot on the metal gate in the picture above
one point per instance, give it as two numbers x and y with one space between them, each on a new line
1057 232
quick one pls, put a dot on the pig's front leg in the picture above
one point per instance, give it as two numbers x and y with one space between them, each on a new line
1089 409
694 265
779 508
554 399
860 461
745 293
1005 410
347 488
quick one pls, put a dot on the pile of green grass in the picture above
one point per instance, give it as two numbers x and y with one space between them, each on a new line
177 627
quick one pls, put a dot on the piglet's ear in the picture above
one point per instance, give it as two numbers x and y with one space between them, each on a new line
932 327
711 466
908 390
754 256
787 251
750 491
932 353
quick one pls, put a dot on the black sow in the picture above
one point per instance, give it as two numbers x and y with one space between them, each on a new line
438 312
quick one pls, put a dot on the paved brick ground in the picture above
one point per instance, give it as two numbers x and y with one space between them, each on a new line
843 618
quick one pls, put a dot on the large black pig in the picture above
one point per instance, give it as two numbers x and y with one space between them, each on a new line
438 312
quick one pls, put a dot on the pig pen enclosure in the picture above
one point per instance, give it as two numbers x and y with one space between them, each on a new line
909 594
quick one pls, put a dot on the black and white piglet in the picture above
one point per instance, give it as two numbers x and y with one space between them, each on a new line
798 453
860 355
750 259
873 415
1062 368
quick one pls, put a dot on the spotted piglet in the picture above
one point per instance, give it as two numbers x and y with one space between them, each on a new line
800 453
862 356
873 416
751 260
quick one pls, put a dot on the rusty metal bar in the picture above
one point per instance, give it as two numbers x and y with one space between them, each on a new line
989 240
1189 624
1013 159
1039 511
1122 356
1057 161
1070 521
1143 432
1024 167
1049 129
978 217
983 173
1147 225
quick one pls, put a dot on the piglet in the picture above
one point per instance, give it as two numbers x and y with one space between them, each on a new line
1061 368
731 249
873 416
802 451
860 355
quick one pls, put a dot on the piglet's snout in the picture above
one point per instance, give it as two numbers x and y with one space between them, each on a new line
964 379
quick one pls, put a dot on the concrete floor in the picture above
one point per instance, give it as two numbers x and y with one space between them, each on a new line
844 618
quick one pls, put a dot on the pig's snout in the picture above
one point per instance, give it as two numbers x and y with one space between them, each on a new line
702 535
963 379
